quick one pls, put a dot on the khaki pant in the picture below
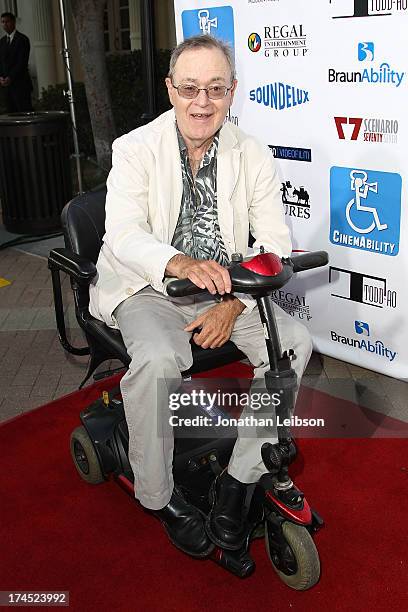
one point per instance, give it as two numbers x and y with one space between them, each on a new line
152 326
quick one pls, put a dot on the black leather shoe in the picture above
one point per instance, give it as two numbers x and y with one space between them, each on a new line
226 525
185 527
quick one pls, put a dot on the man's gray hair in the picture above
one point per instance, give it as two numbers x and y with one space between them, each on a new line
205 41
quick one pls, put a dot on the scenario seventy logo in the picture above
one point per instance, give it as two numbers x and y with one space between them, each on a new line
376 74
280 41
365 209
217 21
374 129
368 8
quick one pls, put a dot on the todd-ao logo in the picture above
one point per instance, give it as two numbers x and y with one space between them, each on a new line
367 8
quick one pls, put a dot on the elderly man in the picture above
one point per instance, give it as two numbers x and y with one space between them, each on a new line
183 193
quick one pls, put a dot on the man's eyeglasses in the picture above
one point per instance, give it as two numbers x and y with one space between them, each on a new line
214 92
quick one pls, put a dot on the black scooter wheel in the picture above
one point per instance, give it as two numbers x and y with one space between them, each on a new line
295 559
84 457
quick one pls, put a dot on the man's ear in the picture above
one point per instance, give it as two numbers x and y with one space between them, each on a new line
170 89
232 93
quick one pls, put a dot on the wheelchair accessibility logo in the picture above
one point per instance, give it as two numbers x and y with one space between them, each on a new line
365 209
217 21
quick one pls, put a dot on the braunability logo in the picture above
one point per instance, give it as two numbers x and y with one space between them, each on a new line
365 209
365 51
218 21
279 96
373 74
365 341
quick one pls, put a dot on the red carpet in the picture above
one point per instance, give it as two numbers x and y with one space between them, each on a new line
58 533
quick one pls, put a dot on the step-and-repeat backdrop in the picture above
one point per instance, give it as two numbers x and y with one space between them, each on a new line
324 84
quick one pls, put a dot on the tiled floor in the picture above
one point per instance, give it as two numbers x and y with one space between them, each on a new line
35 369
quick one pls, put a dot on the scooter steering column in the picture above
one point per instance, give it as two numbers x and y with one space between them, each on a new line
280 378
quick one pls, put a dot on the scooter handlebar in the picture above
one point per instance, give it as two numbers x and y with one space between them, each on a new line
182 287
246 281
308 261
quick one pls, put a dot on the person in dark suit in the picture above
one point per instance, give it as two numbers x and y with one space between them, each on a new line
14 75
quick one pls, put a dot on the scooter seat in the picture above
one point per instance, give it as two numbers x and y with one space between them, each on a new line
203 359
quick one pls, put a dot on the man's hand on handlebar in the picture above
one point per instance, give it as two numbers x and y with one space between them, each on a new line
205 274
216 323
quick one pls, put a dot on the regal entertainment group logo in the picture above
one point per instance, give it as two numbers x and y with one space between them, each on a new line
367 8
280 41
373 74
293 304
373 129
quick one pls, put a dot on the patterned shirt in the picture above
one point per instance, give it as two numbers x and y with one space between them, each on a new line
197 233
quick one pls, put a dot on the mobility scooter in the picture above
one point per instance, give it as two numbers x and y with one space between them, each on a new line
277 509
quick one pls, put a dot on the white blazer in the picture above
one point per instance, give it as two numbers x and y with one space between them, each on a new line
143 204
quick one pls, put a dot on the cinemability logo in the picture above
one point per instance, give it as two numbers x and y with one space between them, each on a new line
280 41
367 8
279 96
373 129
362 329
361 288
217 21
379 74
365 209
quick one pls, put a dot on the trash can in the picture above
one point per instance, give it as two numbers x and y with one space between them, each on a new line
35 172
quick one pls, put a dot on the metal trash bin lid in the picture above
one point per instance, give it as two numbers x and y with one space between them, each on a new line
33 117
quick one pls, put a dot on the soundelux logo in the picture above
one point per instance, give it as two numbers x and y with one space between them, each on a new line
279 96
